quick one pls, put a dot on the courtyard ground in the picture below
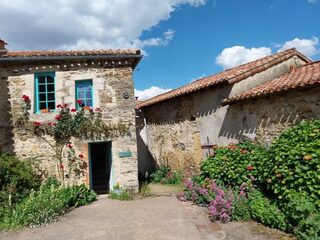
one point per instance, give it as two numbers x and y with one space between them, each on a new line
159 217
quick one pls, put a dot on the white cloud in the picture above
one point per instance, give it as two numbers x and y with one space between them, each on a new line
313 1
150 92
237 55
70 24
305 46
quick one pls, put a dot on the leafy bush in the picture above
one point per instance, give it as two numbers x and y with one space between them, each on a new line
145 190
46 205
295 162
235 164
165 175
17 178
121 194
265 212
303 217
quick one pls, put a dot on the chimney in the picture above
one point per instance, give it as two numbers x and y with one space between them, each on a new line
3 49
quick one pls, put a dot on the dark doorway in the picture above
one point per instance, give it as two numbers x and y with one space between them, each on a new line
100 162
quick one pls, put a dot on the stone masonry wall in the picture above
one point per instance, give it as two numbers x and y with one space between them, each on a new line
265 119
173 137
109 84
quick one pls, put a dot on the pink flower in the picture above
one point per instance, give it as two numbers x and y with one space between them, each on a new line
80 155
79 102
37 124
65 105
59 106
61 166
73 110
58 117
69 145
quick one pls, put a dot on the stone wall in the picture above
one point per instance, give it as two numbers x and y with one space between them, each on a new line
264 119
177 128
109 84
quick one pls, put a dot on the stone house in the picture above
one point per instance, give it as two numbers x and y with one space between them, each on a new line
100 79
256 100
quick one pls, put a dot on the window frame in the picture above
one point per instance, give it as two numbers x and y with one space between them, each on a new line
77 82
36 92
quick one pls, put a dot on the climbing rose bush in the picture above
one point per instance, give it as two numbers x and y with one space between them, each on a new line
67 124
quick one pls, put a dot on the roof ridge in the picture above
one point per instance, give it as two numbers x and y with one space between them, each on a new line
259 90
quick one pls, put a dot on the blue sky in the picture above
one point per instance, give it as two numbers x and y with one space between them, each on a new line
202 33
182 39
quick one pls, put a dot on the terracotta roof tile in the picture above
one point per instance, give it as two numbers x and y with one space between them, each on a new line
304 76
226 77
54 53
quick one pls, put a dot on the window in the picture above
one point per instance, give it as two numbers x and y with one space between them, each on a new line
84 92
45 92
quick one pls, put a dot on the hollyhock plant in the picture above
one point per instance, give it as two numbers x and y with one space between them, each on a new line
73 110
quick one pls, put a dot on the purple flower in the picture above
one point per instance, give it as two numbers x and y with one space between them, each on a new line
224 217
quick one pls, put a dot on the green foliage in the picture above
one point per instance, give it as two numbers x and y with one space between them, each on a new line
241 208
295 162
145 190
165 175
121 194
262 210
46 205
235 164
303 216
17 178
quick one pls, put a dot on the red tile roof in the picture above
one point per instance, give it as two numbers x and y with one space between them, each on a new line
302 77
54 53
226 77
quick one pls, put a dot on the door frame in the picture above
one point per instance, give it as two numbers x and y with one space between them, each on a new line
111 178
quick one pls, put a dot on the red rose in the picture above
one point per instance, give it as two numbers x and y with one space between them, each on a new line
49 124
80 155
69 145
98 110
91 110
59 106
25 98
61 166
37 124
79 102
249 168
58 117
65 105
73 110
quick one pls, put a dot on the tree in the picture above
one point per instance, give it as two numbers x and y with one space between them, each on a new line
68 124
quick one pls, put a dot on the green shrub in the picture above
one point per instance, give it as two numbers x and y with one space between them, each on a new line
295 162
46 205
17 178
265 212
145 190
241 208
302 216
121 194
165 175
236 164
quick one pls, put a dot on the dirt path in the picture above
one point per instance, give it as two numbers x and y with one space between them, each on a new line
161 217
151 218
